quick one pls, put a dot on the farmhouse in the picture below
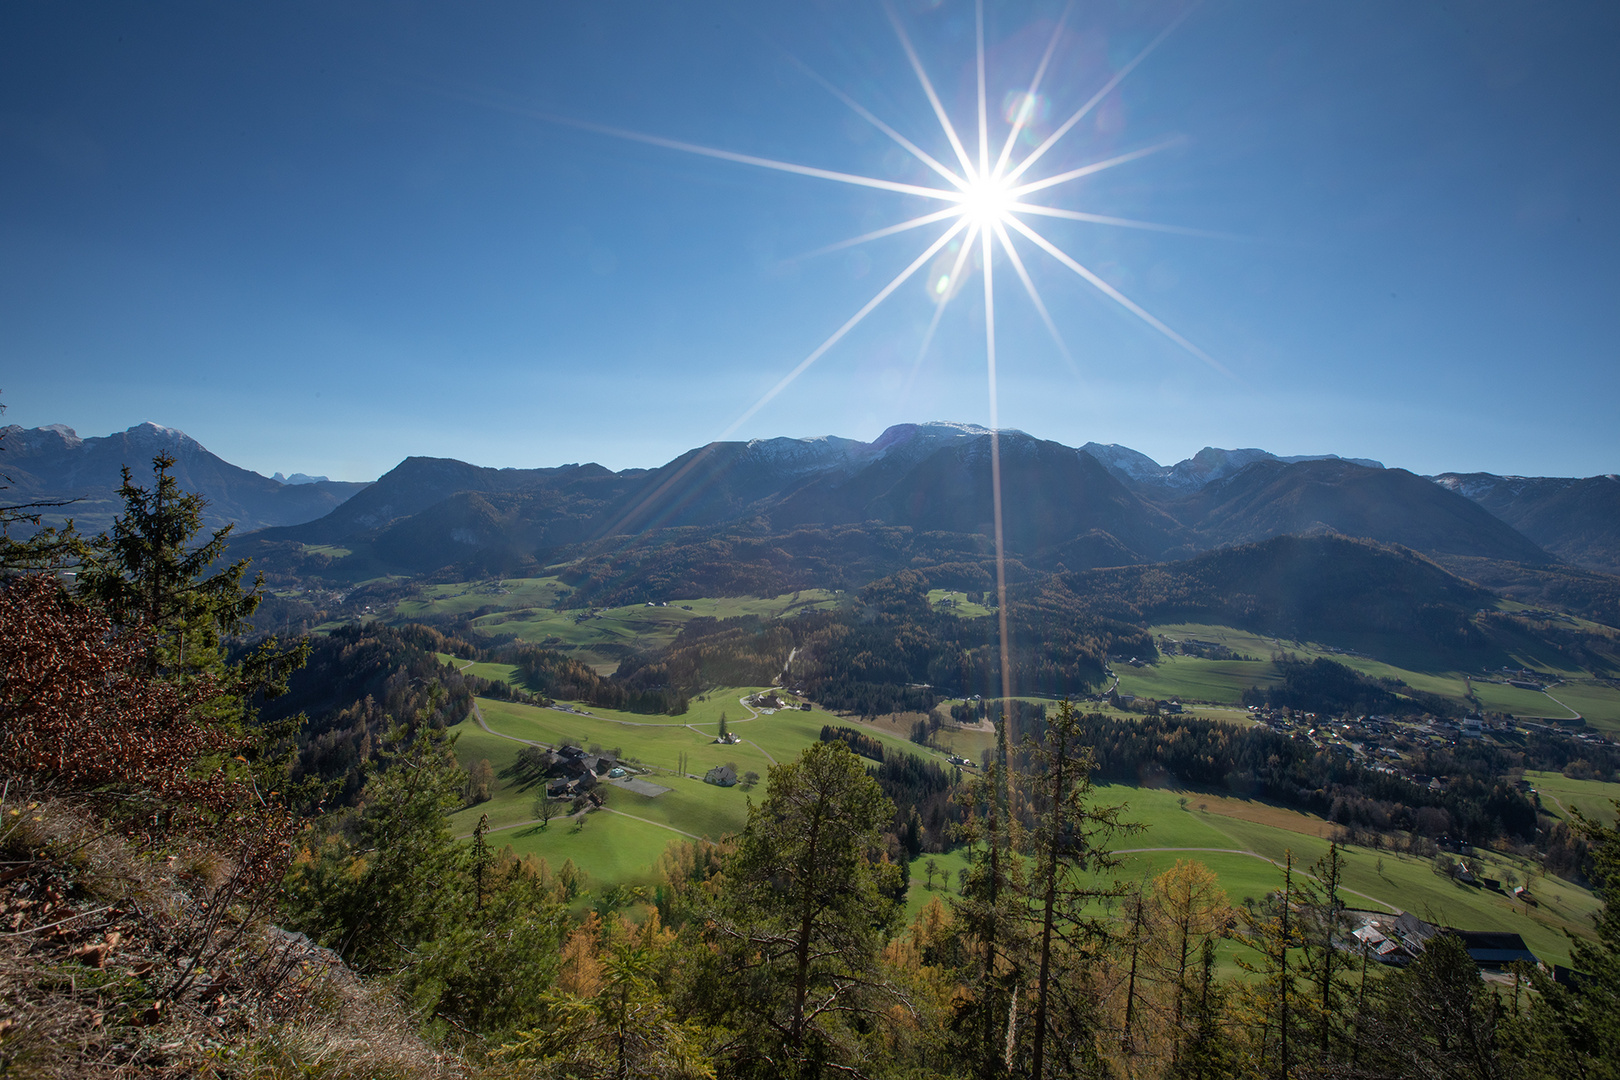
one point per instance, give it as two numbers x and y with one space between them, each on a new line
724 775
1495 950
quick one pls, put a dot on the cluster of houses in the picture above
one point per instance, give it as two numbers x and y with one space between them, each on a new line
572 771
1398 939
1382 742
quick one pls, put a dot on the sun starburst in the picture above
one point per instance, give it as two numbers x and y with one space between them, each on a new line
986 201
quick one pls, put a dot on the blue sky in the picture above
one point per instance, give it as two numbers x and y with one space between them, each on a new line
321 237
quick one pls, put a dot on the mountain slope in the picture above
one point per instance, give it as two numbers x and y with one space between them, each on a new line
1350 593
1577 520
1141 473
1274 498
52 464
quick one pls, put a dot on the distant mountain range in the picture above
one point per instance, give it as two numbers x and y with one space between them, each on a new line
52 464
924 489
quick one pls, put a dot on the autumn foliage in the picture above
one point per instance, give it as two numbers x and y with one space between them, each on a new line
79 716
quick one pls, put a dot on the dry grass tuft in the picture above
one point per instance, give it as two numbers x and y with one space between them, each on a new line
116 963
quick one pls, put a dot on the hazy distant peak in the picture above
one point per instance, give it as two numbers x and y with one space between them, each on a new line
803 455
19 440
957 428
150 434
68 435
1365 463
1122 459
298 478
1210 464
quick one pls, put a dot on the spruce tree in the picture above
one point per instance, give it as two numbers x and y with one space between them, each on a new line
1573 1030
153 573
808 898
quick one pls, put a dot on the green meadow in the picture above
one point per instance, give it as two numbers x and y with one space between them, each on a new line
1193 678
1560 796
959 604
528 608
691 806
1241 840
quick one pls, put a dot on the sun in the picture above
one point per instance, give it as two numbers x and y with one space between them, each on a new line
985 206
988 202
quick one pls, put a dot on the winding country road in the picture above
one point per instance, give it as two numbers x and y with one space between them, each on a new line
1255 855
571 817
1573 714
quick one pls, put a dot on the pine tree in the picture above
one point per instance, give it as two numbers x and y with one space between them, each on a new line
382 883
1189 911
807 900
1207 1052
151 571
1574 1030
1327 967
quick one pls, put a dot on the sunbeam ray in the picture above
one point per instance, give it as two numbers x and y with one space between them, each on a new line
995 482
928 89
887 230
750 159
984 116
1022 116
1117 296
1095 167
1079 114
882 295
866 114
1035 297
939 312
1124 223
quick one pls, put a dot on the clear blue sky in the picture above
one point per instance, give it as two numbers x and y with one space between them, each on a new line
320 237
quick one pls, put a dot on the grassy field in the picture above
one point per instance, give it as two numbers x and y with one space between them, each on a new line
689 807
505 673
459 598
1191 678
1560 795
1243 842
1197 679
1598 702
1237 838
960 605
527 608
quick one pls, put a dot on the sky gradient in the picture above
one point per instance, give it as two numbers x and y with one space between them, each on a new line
321 237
